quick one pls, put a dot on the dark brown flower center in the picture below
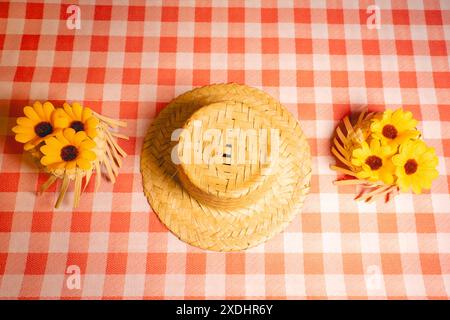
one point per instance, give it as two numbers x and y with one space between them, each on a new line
410 166
43 129
77 126
69 153
389 131
374 162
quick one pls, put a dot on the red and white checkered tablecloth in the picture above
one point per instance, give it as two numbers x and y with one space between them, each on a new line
319 58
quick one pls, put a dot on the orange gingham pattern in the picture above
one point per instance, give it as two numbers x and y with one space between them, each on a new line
319 58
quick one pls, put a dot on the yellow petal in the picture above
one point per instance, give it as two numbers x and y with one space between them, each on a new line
84 164
356 162
61 138
77 110
92 122
68 110
48 110
26 122
30 113
50 159
49 150
358 153
88 155
29 145
53 142
87 144
24 137
69 133
86 114
71 164
57 165
79 137
39 110
386 177
417 189
91 132
363 174
61 122
21 129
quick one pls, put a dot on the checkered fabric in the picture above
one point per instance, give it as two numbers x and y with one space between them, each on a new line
322 59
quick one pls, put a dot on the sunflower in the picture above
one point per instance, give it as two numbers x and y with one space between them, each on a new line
415 166
67 150
81 119
40 122
394 127
374 162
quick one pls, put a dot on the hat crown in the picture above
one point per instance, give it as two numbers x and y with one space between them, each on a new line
228 154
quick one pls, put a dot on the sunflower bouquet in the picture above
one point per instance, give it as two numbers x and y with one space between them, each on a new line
383 152
70 143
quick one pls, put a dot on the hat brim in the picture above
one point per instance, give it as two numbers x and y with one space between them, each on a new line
210 227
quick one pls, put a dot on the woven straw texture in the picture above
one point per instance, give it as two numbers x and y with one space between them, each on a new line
192 200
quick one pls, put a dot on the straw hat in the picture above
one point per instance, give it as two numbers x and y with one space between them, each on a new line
225 167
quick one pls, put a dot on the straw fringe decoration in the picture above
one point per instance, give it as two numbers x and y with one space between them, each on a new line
109 156
70 143
198 203
349 136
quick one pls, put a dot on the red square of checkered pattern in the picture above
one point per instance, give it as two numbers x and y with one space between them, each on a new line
64 42
236 14
303 46
102 12
60 75
302 15
42 222
203 14
335 16
136 13
4 9
373 79
408 79
400 17
168 44
99 43
95 75
202 44
134 44
270 45
81 222
404 47
156 263
236 45
35 263
34 10
337 46
169 14
371 47
269 15
116 263
30 42
437 48
433 17
339 79
441 79
131 75
6 221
